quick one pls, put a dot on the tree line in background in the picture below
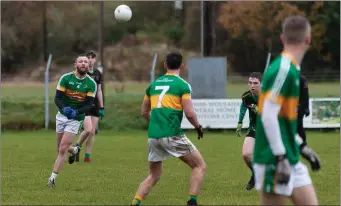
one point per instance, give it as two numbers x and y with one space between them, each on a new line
242 31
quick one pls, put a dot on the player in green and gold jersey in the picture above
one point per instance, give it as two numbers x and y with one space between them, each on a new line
165 101
279 174
249 102
74 97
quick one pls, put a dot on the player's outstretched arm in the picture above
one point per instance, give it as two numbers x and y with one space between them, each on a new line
145 108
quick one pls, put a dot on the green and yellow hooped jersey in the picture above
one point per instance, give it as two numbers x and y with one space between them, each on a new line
280 84
76 90
165 95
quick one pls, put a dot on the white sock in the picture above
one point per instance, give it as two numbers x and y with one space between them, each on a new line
53 175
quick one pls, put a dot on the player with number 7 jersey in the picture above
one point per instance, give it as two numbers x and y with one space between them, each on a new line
165 94
165 102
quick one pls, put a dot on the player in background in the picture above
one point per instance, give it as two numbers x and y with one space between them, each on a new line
90 123
249 102
279 174
165 101
303 107
74 97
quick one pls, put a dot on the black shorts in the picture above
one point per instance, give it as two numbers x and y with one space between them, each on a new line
94 111
251 133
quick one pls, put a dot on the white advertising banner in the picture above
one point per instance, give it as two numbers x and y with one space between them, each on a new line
224 113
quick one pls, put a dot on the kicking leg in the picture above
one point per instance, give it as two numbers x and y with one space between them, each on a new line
91 139
247 152
155 171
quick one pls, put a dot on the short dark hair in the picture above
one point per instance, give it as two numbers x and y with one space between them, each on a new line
256 75
294 29
91 54
174 60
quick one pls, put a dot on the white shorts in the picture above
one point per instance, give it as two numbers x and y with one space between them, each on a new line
265 176
177 146
63 124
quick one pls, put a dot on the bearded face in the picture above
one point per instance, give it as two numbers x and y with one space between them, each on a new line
82 65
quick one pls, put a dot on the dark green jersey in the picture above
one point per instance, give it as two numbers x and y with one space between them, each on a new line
165 95
76 90
280 85
248 101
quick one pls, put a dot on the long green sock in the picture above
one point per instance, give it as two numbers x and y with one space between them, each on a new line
87 155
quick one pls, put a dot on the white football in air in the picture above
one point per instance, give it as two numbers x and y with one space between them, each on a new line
123 13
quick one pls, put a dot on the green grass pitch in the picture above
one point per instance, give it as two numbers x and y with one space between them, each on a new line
120 164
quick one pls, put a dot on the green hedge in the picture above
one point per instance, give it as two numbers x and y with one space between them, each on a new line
121 113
